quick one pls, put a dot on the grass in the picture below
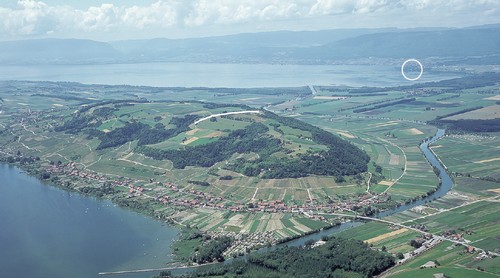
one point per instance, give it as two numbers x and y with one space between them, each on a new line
470 154
185 248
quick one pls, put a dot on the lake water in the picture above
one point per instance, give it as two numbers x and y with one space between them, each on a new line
218 75
48 232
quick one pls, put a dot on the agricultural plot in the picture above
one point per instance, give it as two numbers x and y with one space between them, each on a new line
476 187
478 222
486 113
394 239
453 261
282 225
474 155
393 145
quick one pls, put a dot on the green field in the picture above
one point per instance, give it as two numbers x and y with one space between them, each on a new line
474 155
453 260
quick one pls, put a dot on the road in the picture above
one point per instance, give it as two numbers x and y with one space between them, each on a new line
228 113
313 90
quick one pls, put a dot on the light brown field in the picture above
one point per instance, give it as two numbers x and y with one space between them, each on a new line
190 140
394 160
387 235
414 131
347 135
386 124
192 131
387 183
299 226
328 97
486 113
213 134
497 97
236 220
275 223
487 160
496 190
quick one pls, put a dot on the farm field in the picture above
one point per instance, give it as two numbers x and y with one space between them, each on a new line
393 145
453 261
476 155
378 235
477 222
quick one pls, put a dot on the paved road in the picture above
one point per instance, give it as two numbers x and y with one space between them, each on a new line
228 113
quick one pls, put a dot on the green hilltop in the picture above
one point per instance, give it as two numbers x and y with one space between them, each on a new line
255 144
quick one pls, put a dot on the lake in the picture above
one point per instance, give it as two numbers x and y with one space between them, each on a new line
218 75
49 232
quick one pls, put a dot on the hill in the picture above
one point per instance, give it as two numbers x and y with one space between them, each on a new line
259 144
58 51
423 44
473 45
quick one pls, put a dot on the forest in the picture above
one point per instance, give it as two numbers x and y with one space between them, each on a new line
131 131
338 257
471 125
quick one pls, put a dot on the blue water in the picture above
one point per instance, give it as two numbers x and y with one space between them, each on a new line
218 75
48 232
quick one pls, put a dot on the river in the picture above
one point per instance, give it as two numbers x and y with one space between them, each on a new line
49 232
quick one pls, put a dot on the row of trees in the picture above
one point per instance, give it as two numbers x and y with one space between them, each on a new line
364 109
491 125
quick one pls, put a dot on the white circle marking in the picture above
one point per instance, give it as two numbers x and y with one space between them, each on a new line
419 75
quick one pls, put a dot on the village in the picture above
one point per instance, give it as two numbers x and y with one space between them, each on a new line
168 194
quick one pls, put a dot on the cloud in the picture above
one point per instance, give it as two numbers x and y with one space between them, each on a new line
34 18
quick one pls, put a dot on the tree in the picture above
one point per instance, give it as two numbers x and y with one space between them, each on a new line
309 243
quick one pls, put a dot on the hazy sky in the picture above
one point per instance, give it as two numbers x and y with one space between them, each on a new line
127 19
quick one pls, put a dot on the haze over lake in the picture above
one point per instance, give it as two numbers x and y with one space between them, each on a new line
217 75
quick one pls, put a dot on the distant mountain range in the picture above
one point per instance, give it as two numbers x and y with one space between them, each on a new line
479 44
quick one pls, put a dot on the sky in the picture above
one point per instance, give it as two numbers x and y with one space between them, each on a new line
141 19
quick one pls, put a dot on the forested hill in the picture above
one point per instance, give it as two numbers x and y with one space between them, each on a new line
264 145
340 158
